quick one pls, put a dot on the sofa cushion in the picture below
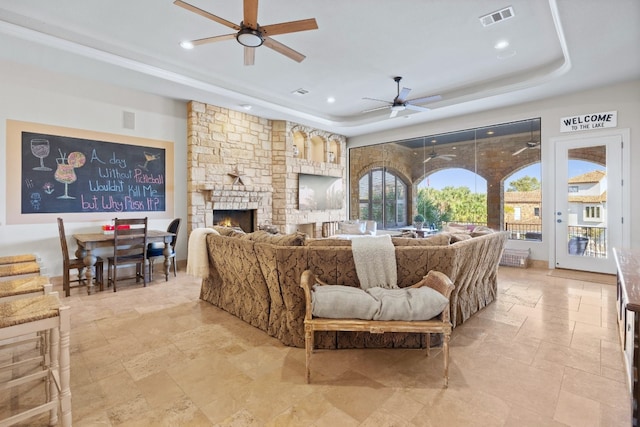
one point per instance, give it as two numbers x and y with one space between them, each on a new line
481 230
295 239
459 237
327 242
441 239
342 302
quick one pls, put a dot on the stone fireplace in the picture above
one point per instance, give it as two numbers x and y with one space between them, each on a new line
242 206
239 162
243 218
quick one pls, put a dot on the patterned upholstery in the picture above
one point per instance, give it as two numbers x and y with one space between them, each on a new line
259 283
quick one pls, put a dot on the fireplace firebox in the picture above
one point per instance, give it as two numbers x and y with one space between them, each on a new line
245 219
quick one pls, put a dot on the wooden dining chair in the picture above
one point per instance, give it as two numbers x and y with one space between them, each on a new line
129 247
69 264
156 250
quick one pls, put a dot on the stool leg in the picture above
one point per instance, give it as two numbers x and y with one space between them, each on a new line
54 360
65 367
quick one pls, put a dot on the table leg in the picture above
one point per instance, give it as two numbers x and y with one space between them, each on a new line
90 262
167 262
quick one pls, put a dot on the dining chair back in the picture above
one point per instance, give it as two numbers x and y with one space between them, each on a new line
69 264
156 250
129 247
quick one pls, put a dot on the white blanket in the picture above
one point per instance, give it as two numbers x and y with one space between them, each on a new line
375 259
198 258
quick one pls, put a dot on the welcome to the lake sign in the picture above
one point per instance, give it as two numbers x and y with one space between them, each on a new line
608 119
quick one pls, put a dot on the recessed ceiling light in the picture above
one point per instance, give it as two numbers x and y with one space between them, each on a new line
186 45
502 44
331 100
489 132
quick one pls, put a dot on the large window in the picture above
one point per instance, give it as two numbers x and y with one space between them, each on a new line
383 198
447 169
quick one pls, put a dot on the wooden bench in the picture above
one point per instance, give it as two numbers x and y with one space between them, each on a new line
438 325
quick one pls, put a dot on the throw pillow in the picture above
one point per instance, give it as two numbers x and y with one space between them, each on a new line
296 239
351 227
229 231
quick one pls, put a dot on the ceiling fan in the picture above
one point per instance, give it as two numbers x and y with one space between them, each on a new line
434 155
400 102
250 34
531 144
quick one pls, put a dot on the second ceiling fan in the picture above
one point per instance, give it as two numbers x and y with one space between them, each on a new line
400 102
250 34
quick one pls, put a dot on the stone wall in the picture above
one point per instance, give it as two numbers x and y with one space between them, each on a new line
239 161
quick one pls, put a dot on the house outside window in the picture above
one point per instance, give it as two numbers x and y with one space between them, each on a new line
536 211
592 213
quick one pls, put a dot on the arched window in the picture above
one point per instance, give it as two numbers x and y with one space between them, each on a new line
383 198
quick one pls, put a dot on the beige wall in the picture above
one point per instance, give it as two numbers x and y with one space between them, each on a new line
35 96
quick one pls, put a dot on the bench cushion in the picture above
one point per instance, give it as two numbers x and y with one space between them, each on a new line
347 302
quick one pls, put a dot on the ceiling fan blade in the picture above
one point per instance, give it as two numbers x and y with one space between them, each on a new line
212 39
290 27
519 151
206 14
250 16
394 113
415 107
379 100
249 55
444 157
285 50
377 109
403 94
425 99
427 159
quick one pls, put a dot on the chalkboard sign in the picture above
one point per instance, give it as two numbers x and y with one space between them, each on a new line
66 174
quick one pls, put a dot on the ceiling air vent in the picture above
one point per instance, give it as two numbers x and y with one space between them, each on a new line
497 16
300 92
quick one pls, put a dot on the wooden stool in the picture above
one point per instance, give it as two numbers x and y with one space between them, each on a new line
29 316
20 269
24 287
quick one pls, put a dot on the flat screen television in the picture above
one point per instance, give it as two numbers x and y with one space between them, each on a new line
318 192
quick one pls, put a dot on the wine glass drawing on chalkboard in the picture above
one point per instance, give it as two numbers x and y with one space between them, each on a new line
65 172
148 157
40 149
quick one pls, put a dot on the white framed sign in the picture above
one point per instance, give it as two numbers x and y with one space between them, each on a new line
591 121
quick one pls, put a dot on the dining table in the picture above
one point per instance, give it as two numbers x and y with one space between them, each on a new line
87 242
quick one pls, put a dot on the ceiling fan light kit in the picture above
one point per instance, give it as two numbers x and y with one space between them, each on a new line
251 35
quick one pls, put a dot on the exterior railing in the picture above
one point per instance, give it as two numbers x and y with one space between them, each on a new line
596 245
581 240
523 231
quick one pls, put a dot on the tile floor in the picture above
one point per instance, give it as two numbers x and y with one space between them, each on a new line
546 353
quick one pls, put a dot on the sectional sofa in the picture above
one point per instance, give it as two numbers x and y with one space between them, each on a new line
256 277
